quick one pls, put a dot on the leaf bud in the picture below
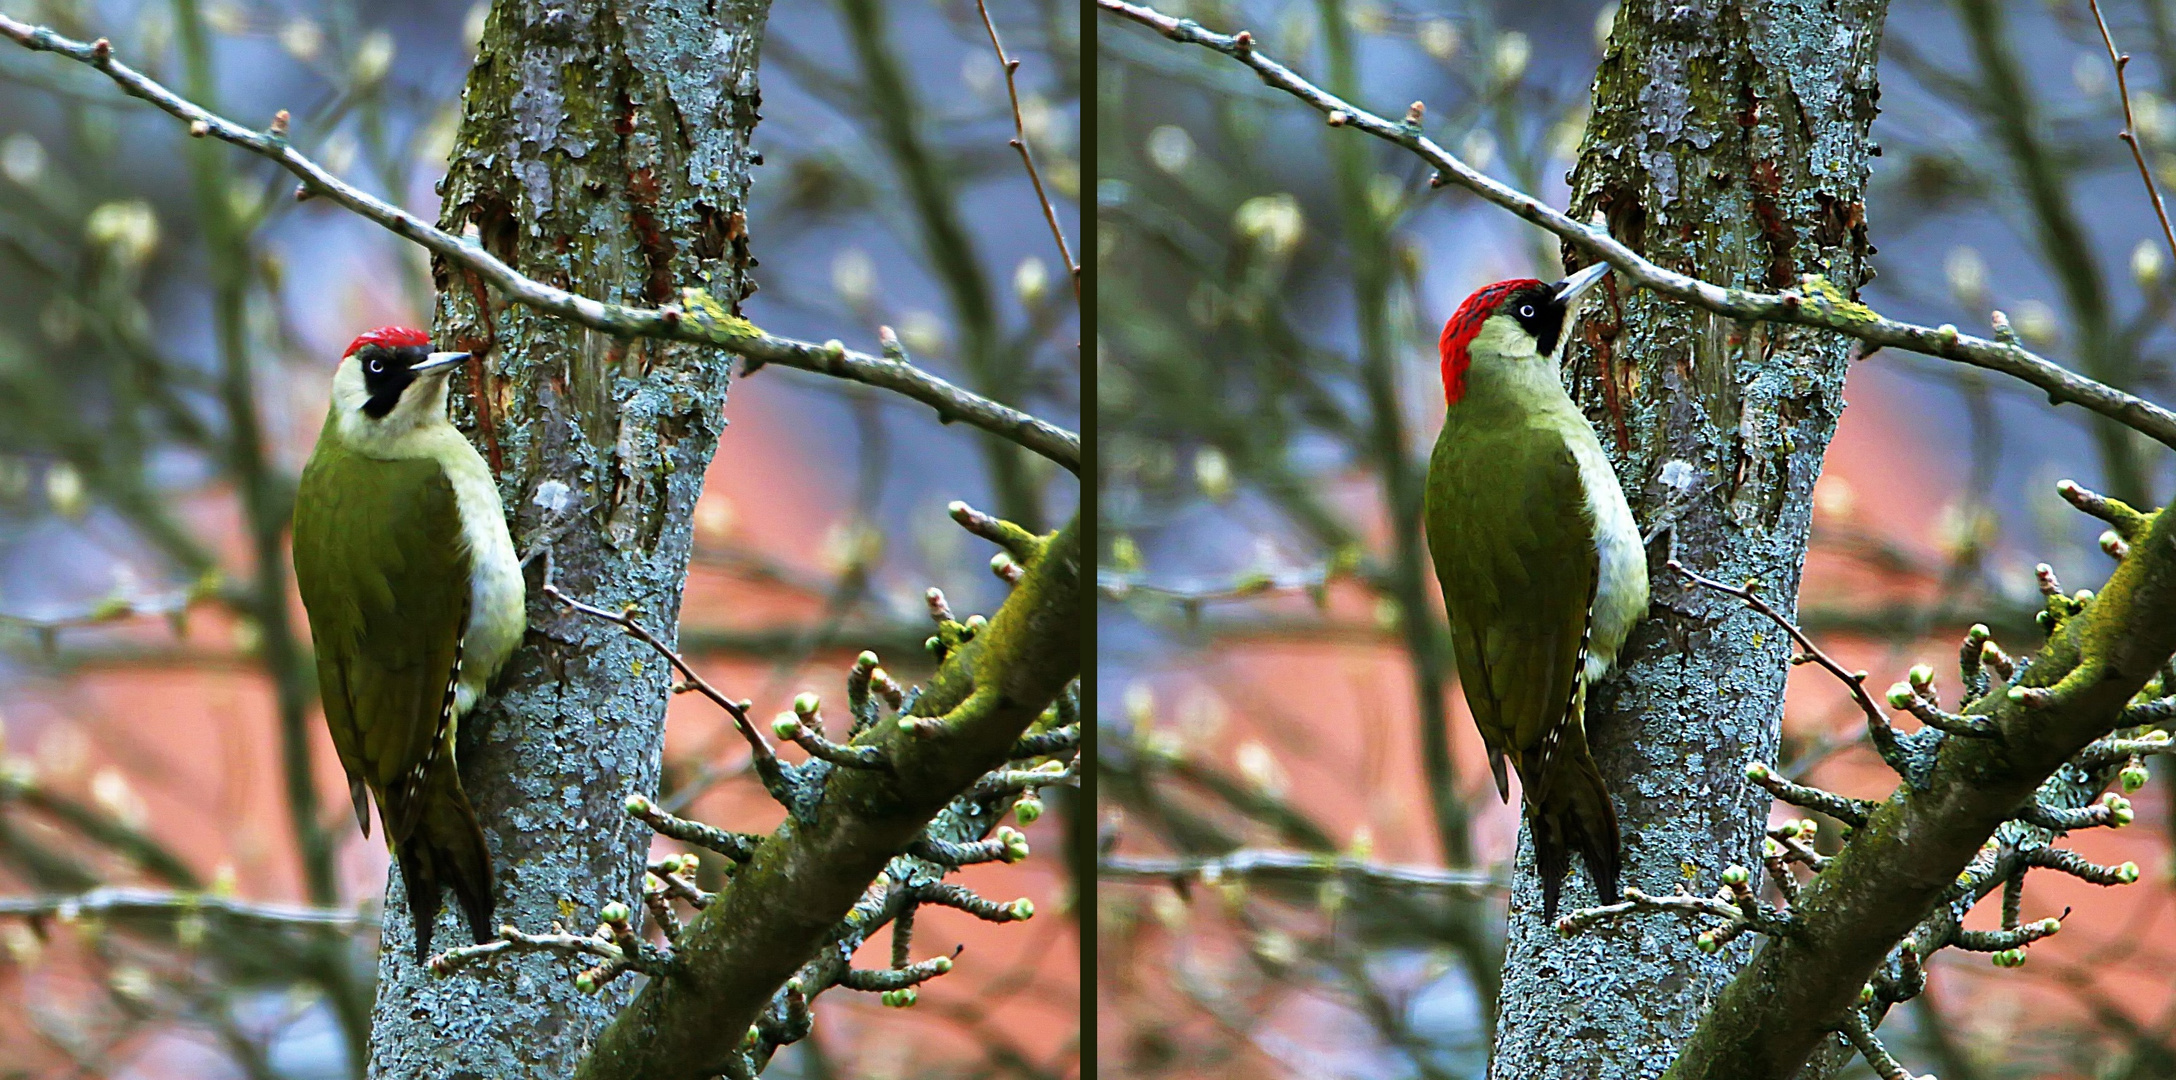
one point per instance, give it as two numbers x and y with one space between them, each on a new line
2119 810
1027 809
2134 776
1015 843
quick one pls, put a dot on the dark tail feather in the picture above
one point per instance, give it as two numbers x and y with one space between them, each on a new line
447 849
359 795
1575 812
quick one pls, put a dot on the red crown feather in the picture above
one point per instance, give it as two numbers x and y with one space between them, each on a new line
1459 330
392 337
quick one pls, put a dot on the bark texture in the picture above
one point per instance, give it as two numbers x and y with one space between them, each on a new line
604 149
1728 141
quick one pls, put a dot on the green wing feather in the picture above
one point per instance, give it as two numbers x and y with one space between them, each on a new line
1517 591
1514 550
383 571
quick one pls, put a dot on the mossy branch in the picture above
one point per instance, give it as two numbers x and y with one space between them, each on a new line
732 960
1909 856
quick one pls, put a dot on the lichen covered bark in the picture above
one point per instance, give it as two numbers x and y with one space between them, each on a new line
1728 141
603 148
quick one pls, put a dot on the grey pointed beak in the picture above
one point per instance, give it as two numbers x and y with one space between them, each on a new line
1569 290
439 361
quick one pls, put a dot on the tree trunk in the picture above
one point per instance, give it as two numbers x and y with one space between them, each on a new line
603 149
1728 141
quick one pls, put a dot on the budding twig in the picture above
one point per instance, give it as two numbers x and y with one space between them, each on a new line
512 939
1851 812
2113 811
804 727
2077 866
2129 134
1907 697
1736 917
959 896
2001 940
740 847
1020 143
2127 522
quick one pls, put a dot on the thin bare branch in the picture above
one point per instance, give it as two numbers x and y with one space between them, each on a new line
699 319
110 902
2129 134
1816 304
1020 143
1299 864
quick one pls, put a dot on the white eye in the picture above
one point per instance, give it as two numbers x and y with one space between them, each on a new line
1526 311
377 367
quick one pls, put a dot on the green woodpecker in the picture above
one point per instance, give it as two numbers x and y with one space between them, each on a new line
415 600
1542 569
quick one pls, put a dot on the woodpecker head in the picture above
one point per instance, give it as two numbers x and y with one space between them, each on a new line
1511 323
389 382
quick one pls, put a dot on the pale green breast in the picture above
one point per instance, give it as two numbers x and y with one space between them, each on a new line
1514 550
384 573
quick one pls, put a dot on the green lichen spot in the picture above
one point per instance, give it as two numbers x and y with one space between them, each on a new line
1818 287
708 313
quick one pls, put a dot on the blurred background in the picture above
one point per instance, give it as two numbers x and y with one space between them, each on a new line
151 666
1253 692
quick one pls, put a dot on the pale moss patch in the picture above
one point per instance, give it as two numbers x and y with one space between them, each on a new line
1820 288
708 313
